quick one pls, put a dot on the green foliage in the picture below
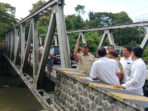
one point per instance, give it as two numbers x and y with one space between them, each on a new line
44 20
7 18
37 5
101 19
145 54
80 9
128 36
74 22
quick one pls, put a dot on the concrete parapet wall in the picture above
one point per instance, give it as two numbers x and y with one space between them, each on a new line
76 93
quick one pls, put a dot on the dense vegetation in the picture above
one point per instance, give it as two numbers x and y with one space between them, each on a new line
7 18
128 36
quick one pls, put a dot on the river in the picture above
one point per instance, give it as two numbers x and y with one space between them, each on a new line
18 99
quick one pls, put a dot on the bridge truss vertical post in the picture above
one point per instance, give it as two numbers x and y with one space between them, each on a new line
145 40
6 49
16 42
28 45
22 30
8 44
62 36
13 43
18 46
35 50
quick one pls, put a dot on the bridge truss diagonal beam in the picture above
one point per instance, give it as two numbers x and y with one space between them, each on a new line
49 37
145 40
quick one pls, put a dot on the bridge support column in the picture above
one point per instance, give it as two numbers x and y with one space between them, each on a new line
22 31
35 50
62 36
16 43
18 47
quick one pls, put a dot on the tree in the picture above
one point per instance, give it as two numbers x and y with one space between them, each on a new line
37 5
74 22
145 54
43 20
7 18
128 36
80 9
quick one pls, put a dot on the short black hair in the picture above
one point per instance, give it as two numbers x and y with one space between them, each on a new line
128 48
102 52
111 46
114 53
137 51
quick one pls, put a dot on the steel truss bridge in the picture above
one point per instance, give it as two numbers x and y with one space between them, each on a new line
17 51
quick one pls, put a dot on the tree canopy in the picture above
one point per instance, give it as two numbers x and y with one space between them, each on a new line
128 36
7 18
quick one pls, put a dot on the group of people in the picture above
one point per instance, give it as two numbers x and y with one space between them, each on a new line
126 72
51 53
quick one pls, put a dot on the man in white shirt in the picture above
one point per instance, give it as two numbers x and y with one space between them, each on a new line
126 62
136 79
50 58
41 49
105 69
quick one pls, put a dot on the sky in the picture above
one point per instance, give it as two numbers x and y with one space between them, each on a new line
136 9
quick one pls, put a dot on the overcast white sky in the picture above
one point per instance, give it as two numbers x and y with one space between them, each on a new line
135 8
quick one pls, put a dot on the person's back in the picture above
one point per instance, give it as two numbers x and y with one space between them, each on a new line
105 69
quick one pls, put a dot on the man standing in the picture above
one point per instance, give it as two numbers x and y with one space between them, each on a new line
136 79
126 62
85 59
105 69
110 48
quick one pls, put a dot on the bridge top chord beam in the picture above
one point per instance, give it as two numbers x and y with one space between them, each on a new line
140 24
41 11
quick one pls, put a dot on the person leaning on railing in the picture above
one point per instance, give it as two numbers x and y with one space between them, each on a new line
136 79
85 59
115 55
105 69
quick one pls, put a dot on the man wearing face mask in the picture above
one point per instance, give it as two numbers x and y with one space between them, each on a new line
85 59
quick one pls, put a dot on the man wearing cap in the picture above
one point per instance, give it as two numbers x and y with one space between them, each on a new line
85 59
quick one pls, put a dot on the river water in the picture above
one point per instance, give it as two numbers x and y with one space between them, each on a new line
18 99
